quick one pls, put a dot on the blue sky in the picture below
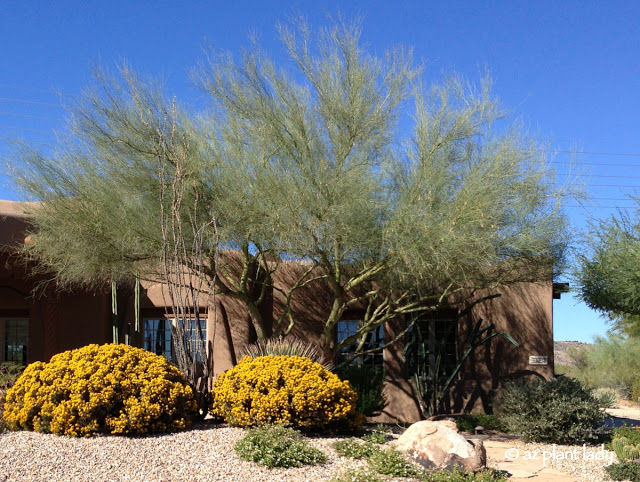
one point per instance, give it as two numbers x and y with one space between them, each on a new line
570 70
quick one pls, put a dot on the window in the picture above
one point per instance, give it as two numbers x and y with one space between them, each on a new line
432 337
158 337
374 339
14 333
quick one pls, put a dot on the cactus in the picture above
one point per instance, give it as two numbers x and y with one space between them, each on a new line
618 444
630 452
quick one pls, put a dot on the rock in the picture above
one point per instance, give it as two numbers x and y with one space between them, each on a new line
439 445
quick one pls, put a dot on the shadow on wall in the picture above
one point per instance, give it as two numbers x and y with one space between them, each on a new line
523 311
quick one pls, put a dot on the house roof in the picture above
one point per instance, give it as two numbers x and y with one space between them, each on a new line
13 222
15 209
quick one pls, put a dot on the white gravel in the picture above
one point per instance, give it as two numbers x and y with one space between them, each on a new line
202 454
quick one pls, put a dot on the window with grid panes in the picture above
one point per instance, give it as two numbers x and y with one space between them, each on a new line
158 337
374 339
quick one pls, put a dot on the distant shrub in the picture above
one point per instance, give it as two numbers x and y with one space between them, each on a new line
368 382
289 390
277 446
606 397
114 389
624 471
556 411
469 421
611 362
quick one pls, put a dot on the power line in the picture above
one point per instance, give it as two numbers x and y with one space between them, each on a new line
621 154
23 101
30 89
588 163
30 116
24 129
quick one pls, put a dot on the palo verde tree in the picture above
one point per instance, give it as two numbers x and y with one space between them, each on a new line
398 212
397 196
607 275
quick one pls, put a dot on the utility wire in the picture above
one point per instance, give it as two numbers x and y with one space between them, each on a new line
23 101
31 116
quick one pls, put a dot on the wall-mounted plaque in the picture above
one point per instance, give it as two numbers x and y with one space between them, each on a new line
538 360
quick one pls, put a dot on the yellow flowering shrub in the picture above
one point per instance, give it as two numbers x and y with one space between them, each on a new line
115 389
287 390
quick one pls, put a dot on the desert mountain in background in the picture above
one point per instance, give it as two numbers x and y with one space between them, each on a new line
560 351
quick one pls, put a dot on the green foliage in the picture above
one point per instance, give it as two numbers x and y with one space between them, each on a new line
368 383
469 421
607 270
629 432
394 463
626 442
398 195
457 475
635 389
606 397
288 347
277 446
114 389
357 475
556 411
611 362
629 471
290 390
354 448
379 435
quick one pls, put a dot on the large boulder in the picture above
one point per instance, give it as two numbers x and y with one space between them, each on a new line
439 445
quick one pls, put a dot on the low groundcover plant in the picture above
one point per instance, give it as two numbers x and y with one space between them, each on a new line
277 446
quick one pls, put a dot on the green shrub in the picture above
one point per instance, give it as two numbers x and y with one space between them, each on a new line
469 421
394 463
606 397
624 471
635 390
378 435
354 448
288 390
277 446
631 432
357 475
368 383
556 411
458 475
101 389
611 361
287 347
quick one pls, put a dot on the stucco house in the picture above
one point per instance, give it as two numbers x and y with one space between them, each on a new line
36 327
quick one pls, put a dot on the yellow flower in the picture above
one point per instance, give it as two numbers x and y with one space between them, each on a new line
108 388
289 390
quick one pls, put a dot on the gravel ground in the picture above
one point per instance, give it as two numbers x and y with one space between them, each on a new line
204 453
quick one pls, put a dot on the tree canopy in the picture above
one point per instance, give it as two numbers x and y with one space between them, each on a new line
398 195
608 271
